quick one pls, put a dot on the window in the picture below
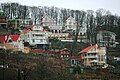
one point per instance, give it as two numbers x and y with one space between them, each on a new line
33 40
61 56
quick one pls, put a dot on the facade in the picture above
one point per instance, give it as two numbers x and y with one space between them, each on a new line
16 41
64 54
74 60
47 21
36 36
70 24
55 31
106 38
93 55
82 30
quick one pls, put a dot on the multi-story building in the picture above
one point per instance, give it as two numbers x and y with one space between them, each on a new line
36 36
55 31
93 55
106 38
47 20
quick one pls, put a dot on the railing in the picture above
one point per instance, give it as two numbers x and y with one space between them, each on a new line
91 56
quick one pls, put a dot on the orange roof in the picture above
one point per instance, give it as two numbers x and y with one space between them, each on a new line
86 49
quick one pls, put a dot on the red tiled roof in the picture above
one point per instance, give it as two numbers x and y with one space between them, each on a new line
2 39
38 51
86 49
52 52
14 37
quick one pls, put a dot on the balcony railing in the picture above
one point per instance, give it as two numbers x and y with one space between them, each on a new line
91 56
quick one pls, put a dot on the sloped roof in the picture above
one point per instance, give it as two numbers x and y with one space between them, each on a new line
46 15
86 49
65 49
14 37
74 57
52 52
38 51
2 39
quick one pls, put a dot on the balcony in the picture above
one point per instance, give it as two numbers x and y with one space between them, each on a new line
39 37
91 56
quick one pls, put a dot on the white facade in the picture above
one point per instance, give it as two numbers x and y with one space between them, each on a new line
55 28
47 21
83 30
37 36
70 24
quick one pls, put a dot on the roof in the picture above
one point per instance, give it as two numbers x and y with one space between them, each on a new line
65 50
74 57
2 39
86 49
38 51
14 37
52 52
47 16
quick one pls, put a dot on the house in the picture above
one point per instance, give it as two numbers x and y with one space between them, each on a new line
55 31
3 39
93 55
106 38
47 20
36 36
64 54
74 60
16 41
70 25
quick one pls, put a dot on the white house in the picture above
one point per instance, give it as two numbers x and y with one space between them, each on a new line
36 36
47 20
70 24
